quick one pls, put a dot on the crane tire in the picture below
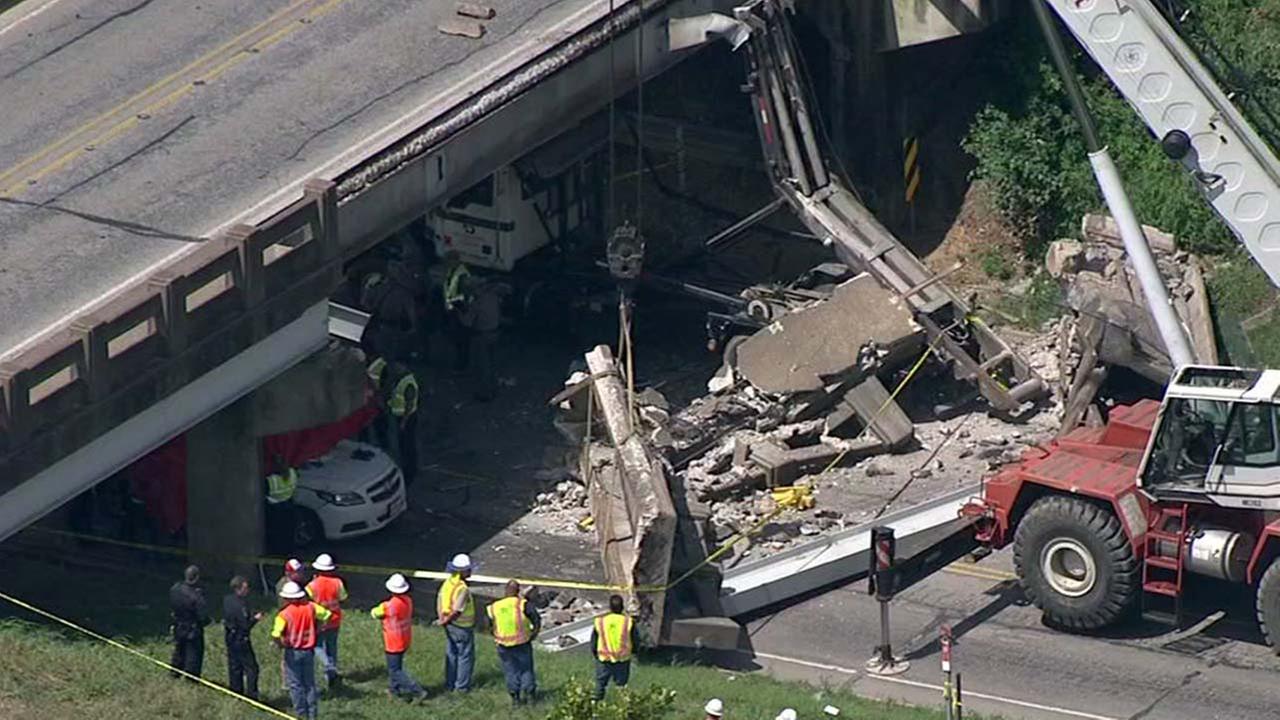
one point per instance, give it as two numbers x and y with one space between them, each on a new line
1075 563
1268 605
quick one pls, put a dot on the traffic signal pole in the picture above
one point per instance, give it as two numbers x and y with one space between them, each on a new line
882 582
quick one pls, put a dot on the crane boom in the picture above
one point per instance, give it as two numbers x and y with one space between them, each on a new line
1196 122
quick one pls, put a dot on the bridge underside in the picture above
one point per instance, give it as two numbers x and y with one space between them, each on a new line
227 314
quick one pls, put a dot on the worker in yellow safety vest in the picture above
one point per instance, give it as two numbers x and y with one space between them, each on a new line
397 426
457 301
281 514
456 610
515 623
613 639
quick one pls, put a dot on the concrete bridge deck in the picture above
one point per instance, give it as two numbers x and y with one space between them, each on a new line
134 129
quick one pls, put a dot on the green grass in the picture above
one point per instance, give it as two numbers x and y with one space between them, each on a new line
997 263
56 673
1030 310
47 674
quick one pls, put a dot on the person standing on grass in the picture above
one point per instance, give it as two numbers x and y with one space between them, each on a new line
396 614
293 572
327 589
294 630
515 624
456 610
613 639
237 623
714 709
190 615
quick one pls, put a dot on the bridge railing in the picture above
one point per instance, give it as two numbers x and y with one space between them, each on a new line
169 328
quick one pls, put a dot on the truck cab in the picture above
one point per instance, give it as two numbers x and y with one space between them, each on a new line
1217 439
516 211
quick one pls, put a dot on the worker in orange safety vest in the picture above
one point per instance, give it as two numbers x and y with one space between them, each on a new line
327 589
294 630
396 614
613 639
515 623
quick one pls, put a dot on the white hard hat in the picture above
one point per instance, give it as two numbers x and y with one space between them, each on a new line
397 584
714 707
461 561
292 591
787 714
324 563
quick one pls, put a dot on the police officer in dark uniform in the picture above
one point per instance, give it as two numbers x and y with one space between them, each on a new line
238 620
190 615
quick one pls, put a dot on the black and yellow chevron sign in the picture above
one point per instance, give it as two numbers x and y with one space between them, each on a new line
910 168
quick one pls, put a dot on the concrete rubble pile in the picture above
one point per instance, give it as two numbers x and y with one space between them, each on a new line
801 402
1111 325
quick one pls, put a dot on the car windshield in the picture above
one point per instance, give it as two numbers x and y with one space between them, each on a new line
1191 431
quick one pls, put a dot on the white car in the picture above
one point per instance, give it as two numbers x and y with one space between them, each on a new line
354 490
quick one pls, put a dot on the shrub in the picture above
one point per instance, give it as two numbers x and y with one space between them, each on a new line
1029 149
575 703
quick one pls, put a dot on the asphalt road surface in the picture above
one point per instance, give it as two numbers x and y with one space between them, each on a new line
134 128
1014 666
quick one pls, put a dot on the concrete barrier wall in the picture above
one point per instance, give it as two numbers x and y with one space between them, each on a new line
167 330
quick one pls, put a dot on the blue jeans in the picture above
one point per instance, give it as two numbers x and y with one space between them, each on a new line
327 652
616 672
459 657
399 681
517 667
300 674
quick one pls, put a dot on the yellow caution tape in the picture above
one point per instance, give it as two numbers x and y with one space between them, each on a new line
790 497
440 574
121 646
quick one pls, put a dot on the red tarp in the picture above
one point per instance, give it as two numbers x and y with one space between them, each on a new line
295 448
159 478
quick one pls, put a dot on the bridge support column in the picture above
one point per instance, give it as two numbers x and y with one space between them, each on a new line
225 491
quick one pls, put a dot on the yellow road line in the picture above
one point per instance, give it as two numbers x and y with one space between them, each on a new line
975 571
128 114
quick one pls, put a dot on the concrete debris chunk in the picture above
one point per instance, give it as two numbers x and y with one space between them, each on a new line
1112 324
1103 229
476 10
464 28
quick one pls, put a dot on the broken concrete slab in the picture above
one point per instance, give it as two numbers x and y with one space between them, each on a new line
859 328
1102 285
716 633
463 28
649 509
783 466
1103 229
1064 257
476 10
871 403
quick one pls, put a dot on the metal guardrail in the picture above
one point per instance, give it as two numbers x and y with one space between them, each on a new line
203 308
